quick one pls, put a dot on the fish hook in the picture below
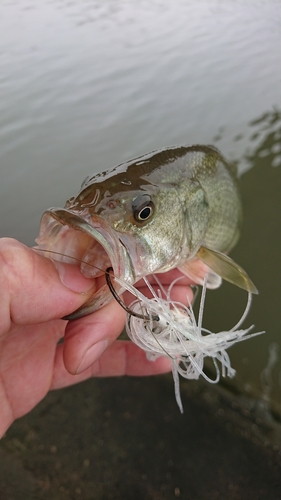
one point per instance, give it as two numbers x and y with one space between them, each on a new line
121 303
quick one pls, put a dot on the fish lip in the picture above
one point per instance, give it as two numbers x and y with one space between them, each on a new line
99 230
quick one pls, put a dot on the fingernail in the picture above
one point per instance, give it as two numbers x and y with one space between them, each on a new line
72 278
91 355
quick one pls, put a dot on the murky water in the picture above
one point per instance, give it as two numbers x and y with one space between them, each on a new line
85 85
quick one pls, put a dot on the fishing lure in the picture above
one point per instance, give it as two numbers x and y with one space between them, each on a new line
163 327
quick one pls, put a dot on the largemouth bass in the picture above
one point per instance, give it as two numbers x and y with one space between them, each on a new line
177 207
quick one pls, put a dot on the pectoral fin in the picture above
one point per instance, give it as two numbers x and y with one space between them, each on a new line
225 267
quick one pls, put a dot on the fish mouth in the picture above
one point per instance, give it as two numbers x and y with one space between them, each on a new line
90 243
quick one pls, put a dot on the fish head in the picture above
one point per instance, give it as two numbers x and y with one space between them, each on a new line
136 227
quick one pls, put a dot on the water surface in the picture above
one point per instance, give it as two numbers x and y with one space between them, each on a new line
85 85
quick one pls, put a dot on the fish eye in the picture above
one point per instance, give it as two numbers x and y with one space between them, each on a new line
143 208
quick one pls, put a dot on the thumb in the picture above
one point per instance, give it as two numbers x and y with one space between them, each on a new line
34 290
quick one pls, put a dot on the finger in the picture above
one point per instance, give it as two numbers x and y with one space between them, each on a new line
166 278
179 293
26 359
87 338
31 288
121 358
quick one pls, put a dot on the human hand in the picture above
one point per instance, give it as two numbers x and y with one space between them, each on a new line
34 295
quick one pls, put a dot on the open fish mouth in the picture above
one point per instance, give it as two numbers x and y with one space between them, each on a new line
90 243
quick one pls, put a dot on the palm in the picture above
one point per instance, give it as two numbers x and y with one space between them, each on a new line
27 363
